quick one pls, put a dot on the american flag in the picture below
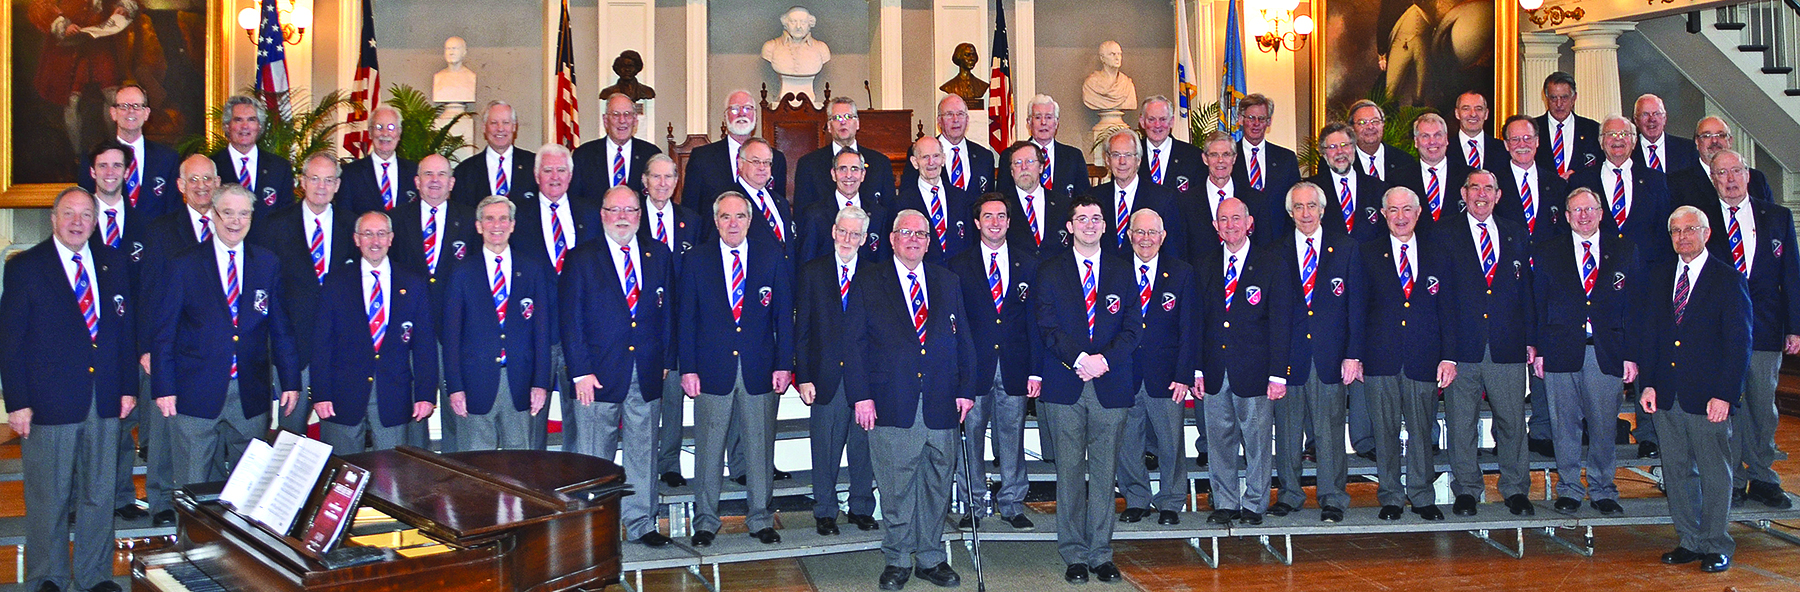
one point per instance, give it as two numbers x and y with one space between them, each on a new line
568 123
366 91
1000 96
271 58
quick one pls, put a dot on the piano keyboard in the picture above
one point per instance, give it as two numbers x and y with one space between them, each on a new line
189 574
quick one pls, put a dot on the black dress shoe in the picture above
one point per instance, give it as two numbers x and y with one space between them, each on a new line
966 523
130 512
1520 505
163 518
1464 506
1332 514
1368 455
780 475
826 526
1106 572
1200 459
1715 562
1738 497
863 521
1133 514
1541 446
740 480
1431 512
49 586
1679 556
942 575
109 586
1280 509
1168 517
673 479
1151 462
1019 522
1649 450
1567 505
704 538
767 536
1222 517
1609 507
894 577
1250 518
653 539
1768 494
1389 513
1076 574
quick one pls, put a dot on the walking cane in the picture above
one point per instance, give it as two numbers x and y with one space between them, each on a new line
974 527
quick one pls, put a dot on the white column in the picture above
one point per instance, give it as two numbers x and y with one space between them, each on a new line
622 25
885 60
699 120
1540 54
552 28
955 22
1597 67
1022 34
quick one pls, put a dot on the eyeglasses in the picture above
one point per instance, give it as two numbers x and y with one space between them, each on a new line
1162 119
740 109
1686 230
756 161
374 234
1520 139
387 127
1257 118
1585 210
1713 136
319 180
1090 219
1620 135
857 234
202 178
1020 163
909 234
848 168
1653 114
620 210
1722 173
621 114
1145 232
131 106
1116 154
842 117
1369 121
1337 146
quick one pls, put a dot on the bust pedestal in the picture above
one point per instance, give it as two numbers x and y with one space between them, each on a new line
464 128
1111 120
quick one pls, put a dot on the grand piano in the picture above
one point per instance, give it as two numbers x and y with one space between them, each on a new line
485 520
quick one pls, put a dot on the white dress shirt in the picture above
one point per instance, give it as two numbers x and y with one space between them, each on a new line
224 256
1162 160
321 220
87 265
667 214
618 260
1412 255
1037 206
494 164
906 284
1608 180
1366 160
368 284
743 250
562 214
237 163
968 167
1462 141
1746 220
1693 274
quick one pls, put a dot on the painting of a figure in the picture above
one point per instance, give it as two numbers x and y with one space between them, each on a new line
69 57
1421 52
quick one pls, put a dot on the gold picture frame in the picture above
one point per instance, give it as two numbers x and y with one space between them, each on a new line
219 29
1332 69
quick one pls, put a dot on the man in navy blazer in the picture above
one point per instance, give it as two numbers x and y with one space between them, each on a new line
819 348
1201 209
119 227
771 216
1491 263
1567 142
1409 344
1434 176
1700 339
1661 151
813 180
1129 192
1169 163
997 275
548 226
268 176
1063 168
1042 214
69 362
911 420
1636 210
1260 164
1694 185
1530 193
713 169
1755 238
677 227
1087 325
618 158
968 165
497 350
614 305
1472 145
817 220
1374 157
1354 197
946 208
381 181
219 331
735 342
149 187
1325 353
434 235
1163 368
503 168
367 311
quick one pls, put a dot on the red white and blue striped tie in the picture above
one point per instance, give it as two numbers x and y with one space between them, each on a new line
1736 236
1231 281
431 243
316 248
1090 288
377 312
499 293
1156 168
1120 218
1347 203
84 298
244 172
1434 193
843 287
631 281
1256 176
1655 161
1474 155
995 288
1618 199
737 288
916 297
1309 272
205 228
1406 274
559 244
1143 289
112 228
1032 220
1558 155
133 181
956 168
231 299
1527 203
387 188
1487 254
501 186
618 166
937 219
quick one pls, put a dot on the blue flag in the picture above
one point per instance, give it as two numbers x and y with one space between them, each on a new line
1231 78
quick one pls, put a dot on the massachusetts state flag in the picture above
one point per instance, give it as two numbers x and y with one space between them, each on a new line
271 58
1000 94
366 91
568 124
1184 72
1231 77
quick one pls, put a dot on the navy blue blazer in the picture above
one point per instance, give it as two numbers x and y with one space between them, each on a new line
1152 197
683 225
1184 171
1069 175
820 342
812 176
1008 337
360 191
1492 319
593 172
1647 224
1450 185
458 242
1691 186
600 337
710 172
816 222
1551 193
1197 212
157 194
474 180
1393 161
47 360
1564 308
880 338
1584 143
473 338
1331 331
1281 171
1172 327
347 364
982 174
1061 315
131 242
1493 153
1250 342
714 347
789 245
1408 336
288 238
195 339
1368 222
1774 280
1677 153
1055 225
166 235
274 180
1707 355
960 232
528 230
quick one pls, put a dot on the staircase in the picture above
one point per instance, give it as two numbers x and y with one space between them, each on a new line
1768 28
1746 59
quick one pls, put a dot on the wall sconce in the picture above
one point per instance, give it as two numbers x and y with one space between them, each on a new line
1552 17
1274 13
295 18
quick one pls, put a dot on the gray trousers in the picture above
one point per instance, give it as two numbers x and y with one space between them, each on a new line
204 450
501 428
1696 461
153 435
1159 419
1361 425
1320 406
1593 396
1087 436
539 432
669 434
69 467
1239 423
1396 402
1753 426
1504 385
912 467
349 439
835 438
754 414
1539 426
603 427
1005 415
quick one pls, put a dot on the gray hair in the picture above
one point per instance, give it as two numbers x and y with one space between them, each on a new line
1304 186
729 195
229 189
384 218
910 213
554 149
841 100
1127 132
385 109
68 191
1145 105
1689 210
1357 106
1429 117
853 213
1630 125
1055 109
1219 136
337 169
1413 197
512 209
487 114
262 118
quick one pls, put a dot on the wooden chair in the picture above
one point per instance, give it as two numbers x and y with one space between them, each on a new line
681 152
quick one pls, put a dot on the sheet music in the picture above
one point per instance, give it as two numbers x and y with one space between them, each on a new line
249 472
283 495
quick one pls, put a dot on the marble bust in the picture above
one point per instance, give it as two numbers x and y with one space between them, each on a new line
1108 89
796 55
971 88
455 83
627 66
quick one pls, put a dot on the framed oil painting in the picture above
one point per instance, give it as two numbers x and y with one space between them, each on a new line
1417 53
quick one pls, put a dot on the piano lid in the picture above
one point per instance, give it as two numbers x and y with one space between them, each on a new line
467 497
